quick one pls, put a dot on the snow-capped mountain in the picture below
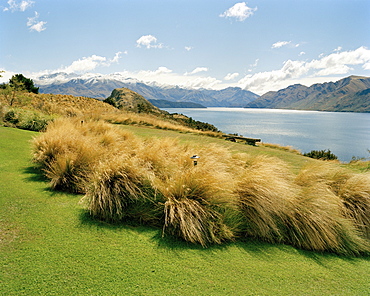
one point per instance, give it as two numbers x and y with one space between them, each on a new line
100 87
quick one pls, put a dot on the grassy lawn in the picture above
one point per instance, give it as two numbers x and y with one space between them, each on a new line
50 246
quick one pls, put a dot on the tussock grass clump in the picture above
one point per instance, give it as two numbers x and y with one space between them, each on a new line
71 149
352 189
340 199
198 199
308 211
266 196
164 157
118 190
355 193
318 223
195 208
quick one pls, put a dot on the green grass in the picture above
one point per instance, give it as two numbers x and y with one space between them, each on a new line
50 246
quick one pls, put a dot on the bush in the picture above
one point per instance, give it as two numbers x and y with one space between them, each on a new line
25 119
321 154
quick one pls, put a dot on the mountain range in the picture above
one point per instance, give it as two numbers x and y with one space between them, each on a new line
350 94
101 87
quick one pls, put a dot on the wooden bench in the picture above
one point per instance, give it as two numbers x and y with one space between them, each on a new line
249 141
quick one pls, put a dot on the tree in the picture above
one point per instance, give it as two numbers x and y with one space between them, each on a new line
12 91
19 83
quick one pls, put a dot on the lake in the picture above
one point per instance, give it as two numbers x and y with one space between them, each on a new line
345 134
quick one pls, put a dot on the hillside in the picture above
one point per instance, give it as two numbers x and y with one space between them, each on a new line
101 87
351 94
124 98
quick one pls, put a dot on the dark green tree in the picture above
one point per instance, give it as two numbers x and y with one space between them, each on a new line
19 83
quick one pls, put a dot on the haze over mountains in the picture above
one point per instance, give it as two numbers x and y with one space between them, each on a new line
351 94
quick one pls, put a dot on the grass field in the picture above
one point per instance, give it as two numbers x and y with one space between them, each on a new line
50 246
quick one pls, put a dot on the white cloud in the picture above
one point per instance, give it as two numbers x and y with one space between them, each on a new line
332 64
302 53
165 76
85 64
339 48
285 43
89 63
280 44
366 66
18 6
231 76
159 71
6 75
326 68
117 56
197 70
148 41
34 24
255 63
335 62
240 11
202 82
336 70
188 48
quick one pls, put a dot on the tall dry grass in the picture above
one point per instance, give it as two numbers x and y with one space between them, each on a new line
143 119
267 195
154 181
198 198
352 189
70 150
119 190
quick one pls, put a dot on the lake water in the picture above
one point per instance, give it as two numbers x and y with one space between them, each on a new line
345 134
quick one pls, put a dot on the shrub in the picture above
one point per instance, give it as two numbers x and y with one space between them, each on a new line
321 154
25 119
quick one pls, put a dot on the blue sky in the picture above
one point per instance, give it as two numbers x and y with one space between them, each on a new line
259 45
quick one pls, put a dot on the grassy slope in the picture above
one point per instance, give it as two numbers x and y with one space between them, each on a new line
296 161
49 246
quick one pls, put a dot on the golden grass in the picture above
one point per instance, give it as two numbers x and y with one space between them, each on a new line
280 147
267 194
323 208
86 109
117 189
